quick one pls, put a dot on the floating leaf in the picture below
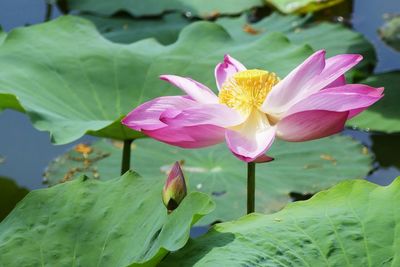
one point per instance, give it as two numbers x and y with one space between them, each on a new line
356 223
299 169
300 31
10 195
201 8
385 114
390 32
128 30
72 81
302 6
86 222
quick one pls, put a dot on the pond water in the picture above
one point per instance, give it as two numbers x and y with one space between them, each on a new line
27 151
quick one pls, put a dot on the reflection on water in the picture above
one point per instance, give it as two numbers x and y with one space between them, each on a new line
28 151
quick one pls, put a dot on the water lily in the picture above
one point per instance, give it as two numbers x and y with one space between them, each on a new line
254 106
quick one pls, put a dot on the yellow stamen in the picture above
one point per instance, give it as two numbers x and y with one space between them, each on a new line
247 90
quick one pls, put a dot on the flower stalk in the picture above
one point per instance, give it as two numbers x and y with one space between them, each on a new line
126 156
251 186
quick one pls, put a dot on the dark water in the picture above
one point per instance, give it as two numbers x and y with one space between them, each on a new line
28 151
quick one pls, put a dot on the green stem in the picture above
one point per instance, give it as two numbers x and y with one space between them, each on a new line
251 186
49 11
126 156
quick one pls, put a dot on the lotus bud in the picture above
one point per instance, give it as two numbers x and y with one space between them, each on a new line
174 189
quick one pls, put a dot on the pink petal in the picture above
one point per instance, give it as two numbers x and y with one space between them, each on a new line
197 91
334 68
351 97
283 95
309 125
226 69
252 138
213 114
338 82
189 137
152 118
147 115
308 79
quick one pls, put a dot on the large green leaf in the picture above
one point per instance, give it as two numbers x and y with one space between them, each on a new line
201 8
300 31
302 6
127 30
385 114
299 168
72 81
356 223
10 194
91 223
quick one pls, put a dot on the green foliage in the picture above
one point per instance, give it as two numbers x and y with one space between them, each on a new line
385 114
356 223
303 168
90 223
72 81
201 8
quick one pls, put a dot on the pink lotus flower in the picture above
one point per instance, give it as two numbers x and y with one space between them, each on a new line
255 106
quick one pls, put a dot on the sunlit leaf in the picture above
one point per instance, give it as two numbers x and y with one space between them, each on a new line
72 81
356 223
91 223
302 6
299 169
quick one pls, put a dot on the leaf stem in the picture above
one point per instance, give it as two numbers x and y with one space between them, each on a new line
126 156
49 12
251 186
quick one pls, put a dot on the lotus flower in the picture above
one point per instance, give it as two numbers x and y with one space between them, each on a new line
253 107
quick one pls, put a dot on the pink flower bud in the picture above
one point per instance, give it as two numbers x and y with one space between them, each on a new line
174 190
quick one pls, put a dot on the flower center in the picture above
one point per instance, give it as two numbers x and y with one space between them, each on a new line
246 90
